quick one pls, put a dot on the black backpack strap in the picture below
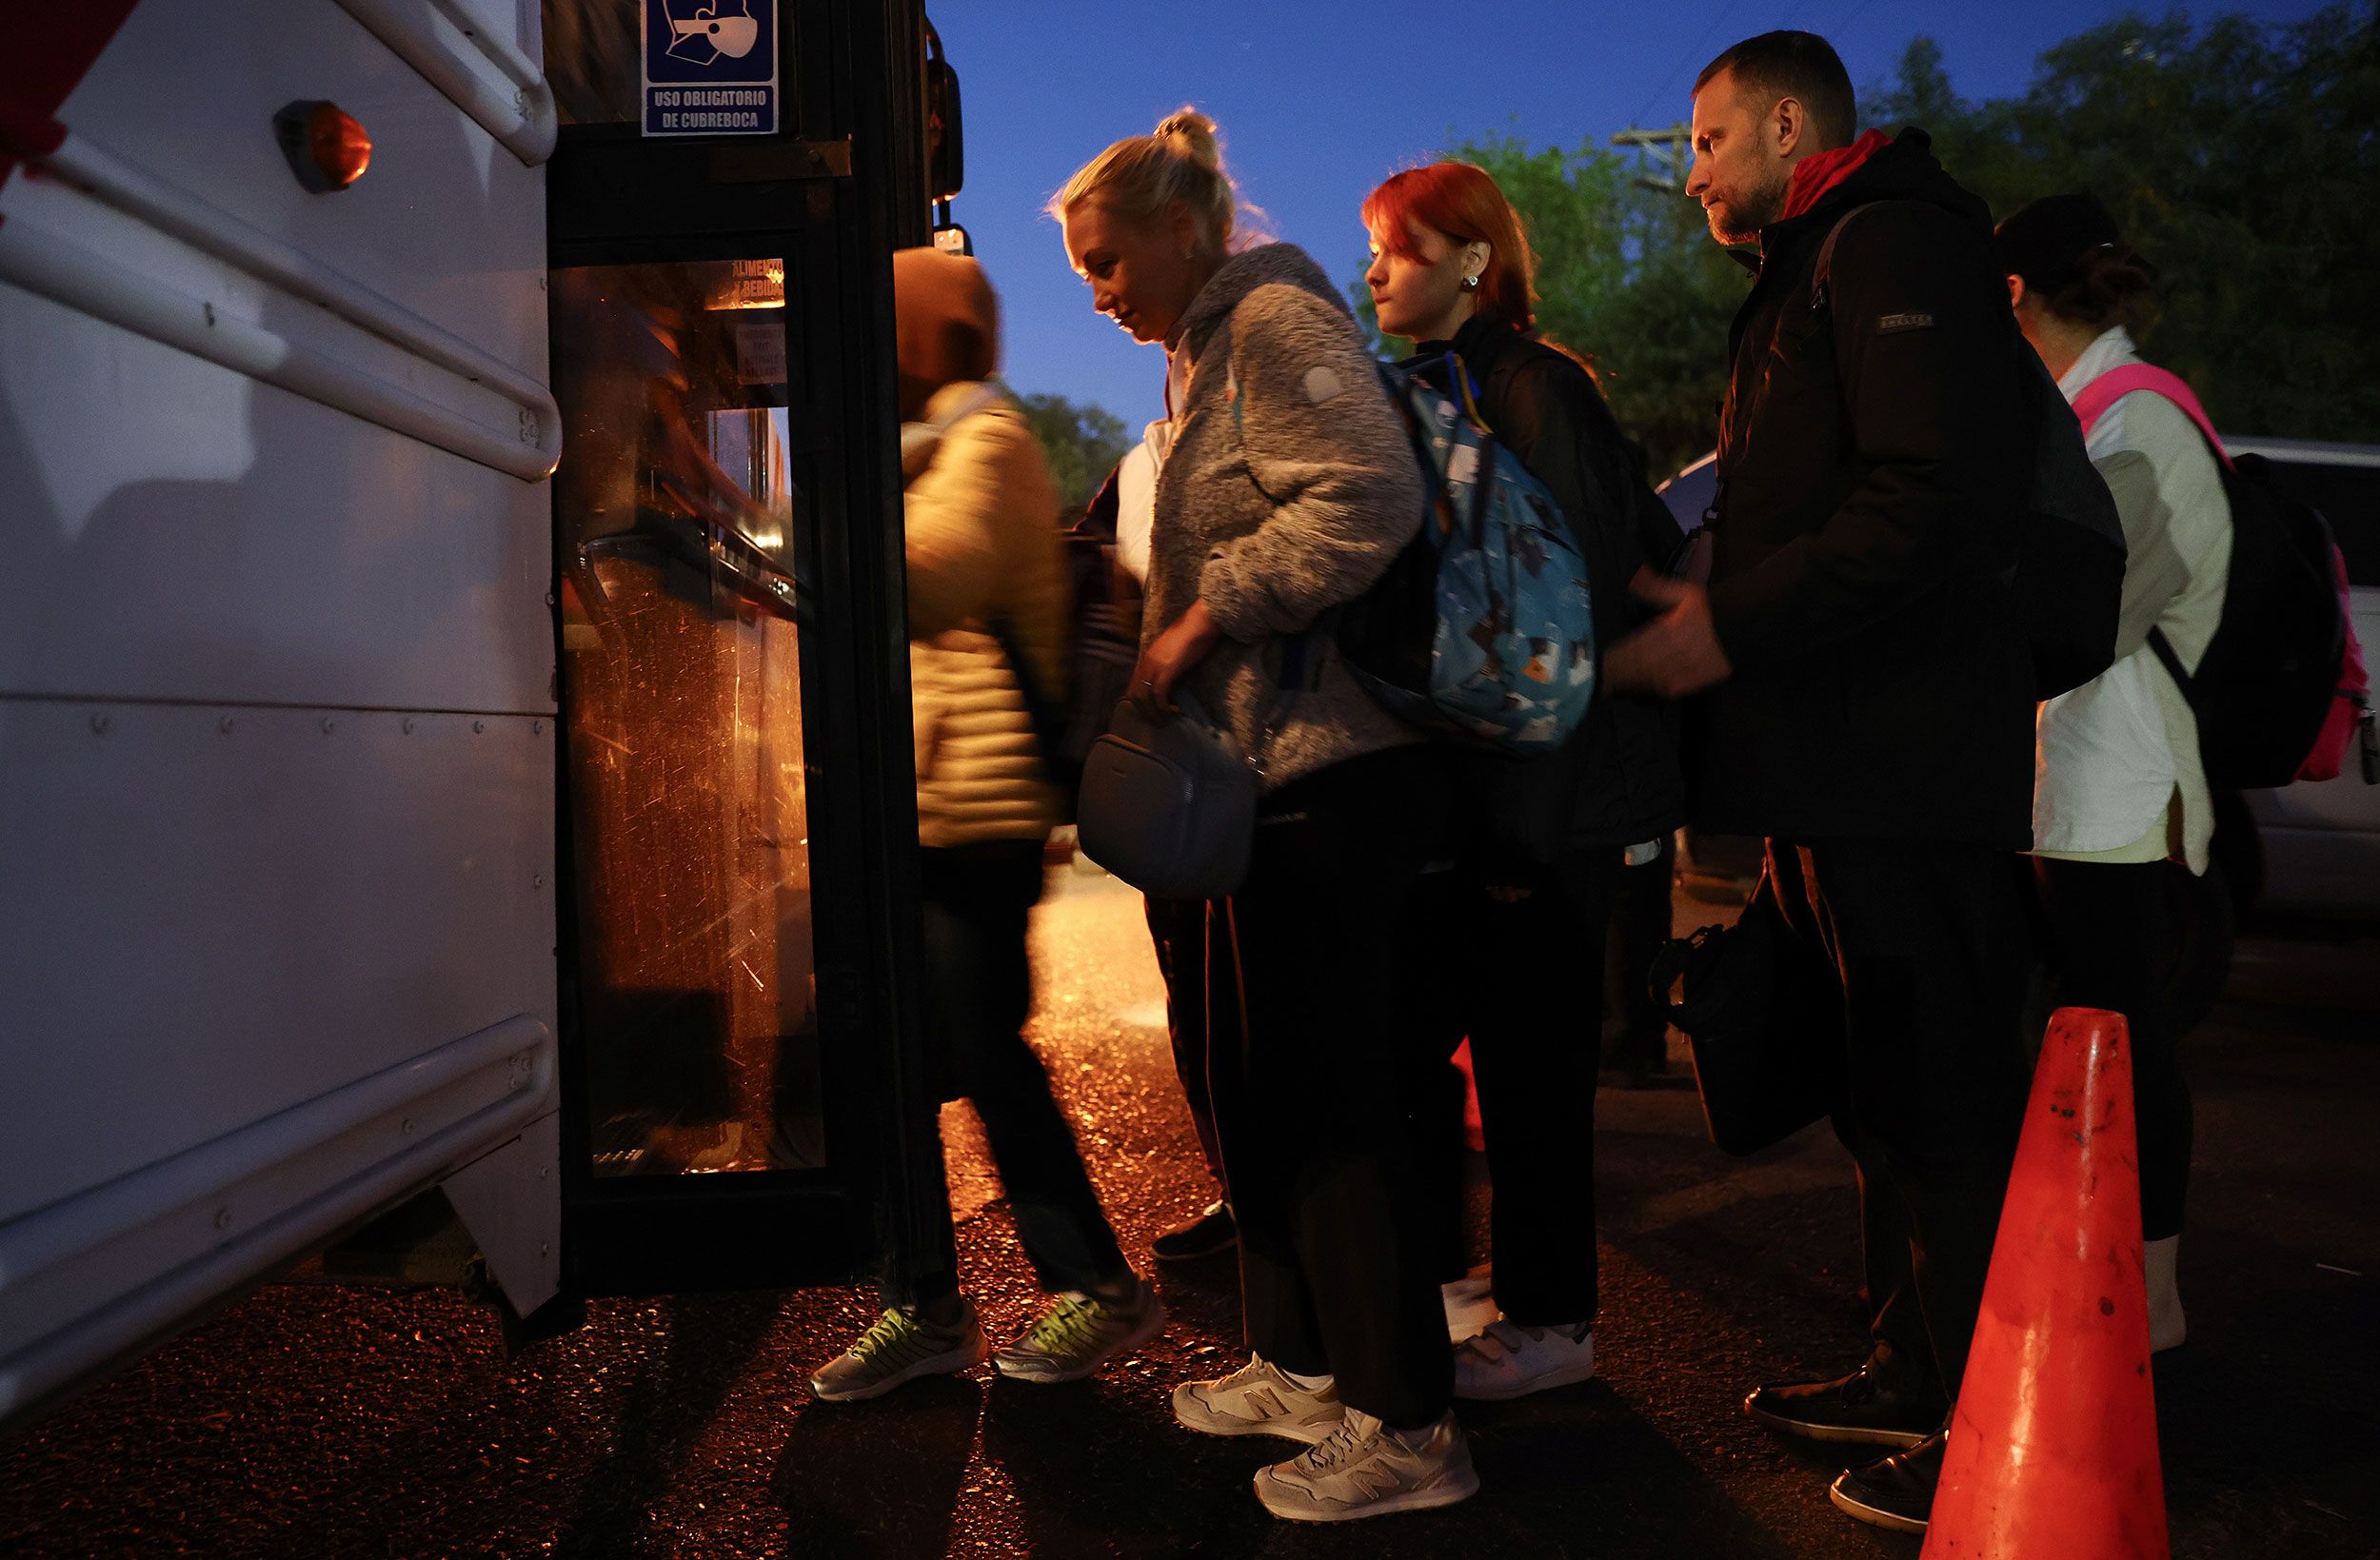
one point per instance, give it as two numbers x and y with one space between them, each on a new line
1100 518
1825 272
2172 661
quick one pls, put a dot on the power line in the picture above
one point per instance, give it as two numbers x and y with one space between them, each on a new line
1699 49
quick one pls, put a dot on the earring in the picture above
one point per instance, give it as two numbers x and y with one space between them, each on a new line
1471 282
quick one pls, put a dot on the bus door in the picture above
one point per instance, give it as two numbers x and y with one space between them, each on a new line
736 795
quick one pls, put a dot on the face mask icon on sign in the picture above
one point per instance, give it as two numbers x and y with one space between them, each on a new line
704 37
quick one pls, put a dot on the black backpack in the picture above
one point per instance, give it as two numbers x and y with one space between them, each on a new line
2264 689
1102 646
2069 575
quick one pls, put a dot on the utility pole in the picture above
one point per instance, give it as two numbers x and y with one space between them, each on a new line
1669 152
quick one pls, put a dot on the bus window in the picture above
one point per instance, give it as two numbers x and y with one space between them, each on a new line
592 59
681 695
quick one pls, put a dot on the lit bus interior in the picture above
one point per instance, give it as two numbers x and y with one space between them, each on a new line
688 827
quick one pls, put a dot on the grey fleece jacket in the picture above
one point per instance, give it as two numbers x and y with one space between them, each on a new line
1290 487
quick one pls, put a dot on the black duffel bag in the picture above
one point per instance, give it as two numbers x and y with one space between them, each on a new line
1763 1017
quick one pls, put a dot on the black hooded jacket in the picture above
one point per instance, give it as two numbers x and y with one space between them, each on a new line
1874 463
1617 781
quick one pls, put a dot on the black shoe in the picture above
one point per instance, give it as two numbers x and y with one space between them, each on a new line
1852 1407
1211 1231
1897 1493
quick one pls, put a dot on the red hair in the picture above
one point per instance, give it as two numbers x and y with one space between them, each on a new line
1462 202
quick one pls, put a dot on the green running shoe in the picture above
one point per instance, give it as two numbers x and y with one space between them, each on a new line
901 1345
1081 1334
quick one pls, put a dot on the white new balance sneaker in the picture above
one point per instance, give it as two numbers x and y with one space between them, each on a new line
1258 1399
1506 1360
1365 1468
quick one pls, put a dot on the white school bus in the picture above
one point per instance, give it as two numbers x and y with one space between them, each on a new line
455 812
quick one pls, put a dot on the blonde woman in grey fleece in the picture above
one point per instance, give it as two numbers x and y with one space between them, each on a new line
1288 488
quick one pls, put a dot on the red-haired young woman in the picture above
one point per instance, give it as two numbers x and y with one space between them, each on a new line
1547 839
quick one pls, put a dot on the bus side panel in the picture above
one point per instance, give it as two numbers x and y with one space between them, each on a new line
231 911
179 530
277 744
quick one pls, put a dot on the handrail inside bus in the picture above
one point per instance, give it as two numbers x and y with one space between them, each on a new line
50 267
521 118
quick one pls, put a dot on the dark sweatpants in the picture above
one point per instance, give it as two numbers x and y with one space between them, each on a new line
1641 923
1178 931
1926 940
1309 1087
976 901
1529 991
2116 928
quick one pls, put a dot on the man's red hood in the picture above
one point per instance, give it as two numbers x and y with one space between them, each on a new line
1814 176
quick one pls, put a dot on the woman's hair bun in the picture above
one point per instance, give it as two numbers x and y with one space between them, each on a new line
1181 160
1197 133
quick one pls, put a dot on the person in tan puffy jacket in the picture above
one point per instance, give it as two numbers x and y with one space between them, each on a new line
987 591
984 567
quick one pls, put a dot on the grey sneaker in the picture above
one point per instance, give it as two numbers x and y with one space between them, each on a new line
1257 1400
1081 1334
1367 1469
899 1347
1506 1360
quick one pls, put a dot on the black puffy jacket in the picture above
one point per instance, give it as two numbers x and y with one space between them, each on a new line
1617 781
1873 460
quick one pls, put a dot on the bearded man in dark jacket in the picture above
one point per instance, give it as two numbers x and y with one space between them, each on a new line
1861 692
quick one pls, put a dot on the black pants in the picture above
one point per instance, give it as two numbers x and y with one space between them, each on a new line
2116 931
1177 929
1927 939
976 899
1433 957
1531 999
1641 922
1309 1086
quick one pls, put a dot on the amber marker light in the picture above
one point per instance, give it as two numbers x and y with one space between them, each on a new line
327 147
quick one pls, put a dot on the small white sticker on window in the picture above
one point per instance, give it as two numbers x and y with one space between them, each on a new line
1322 383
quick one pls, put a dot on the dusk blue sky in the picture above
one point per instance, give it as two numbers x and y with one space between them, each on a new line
1320 100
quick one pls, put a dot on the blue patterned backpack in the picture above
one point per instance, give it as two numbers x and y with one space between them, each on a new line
1482 629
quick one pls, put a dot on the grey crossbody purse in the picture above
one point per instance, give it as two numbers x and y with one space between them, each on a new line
1170 805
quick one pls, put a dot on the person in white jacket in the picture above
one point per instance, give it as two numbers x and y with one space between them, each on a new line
2122 818
987 602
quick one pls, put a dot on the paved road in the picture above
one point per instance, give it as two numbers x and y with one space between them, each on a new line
314 1421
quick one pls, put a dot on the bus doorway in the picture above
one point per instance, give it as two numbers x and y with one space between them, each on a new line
735 807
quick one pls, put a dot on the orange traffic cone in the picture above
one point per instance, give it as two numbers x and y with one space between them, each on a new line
2054 1445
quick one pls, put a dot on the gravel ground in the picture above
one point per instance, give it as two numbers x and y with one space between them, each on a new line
314 1420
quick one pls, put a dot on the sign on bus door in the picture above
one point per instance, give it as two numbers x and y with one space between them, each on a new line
711 68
